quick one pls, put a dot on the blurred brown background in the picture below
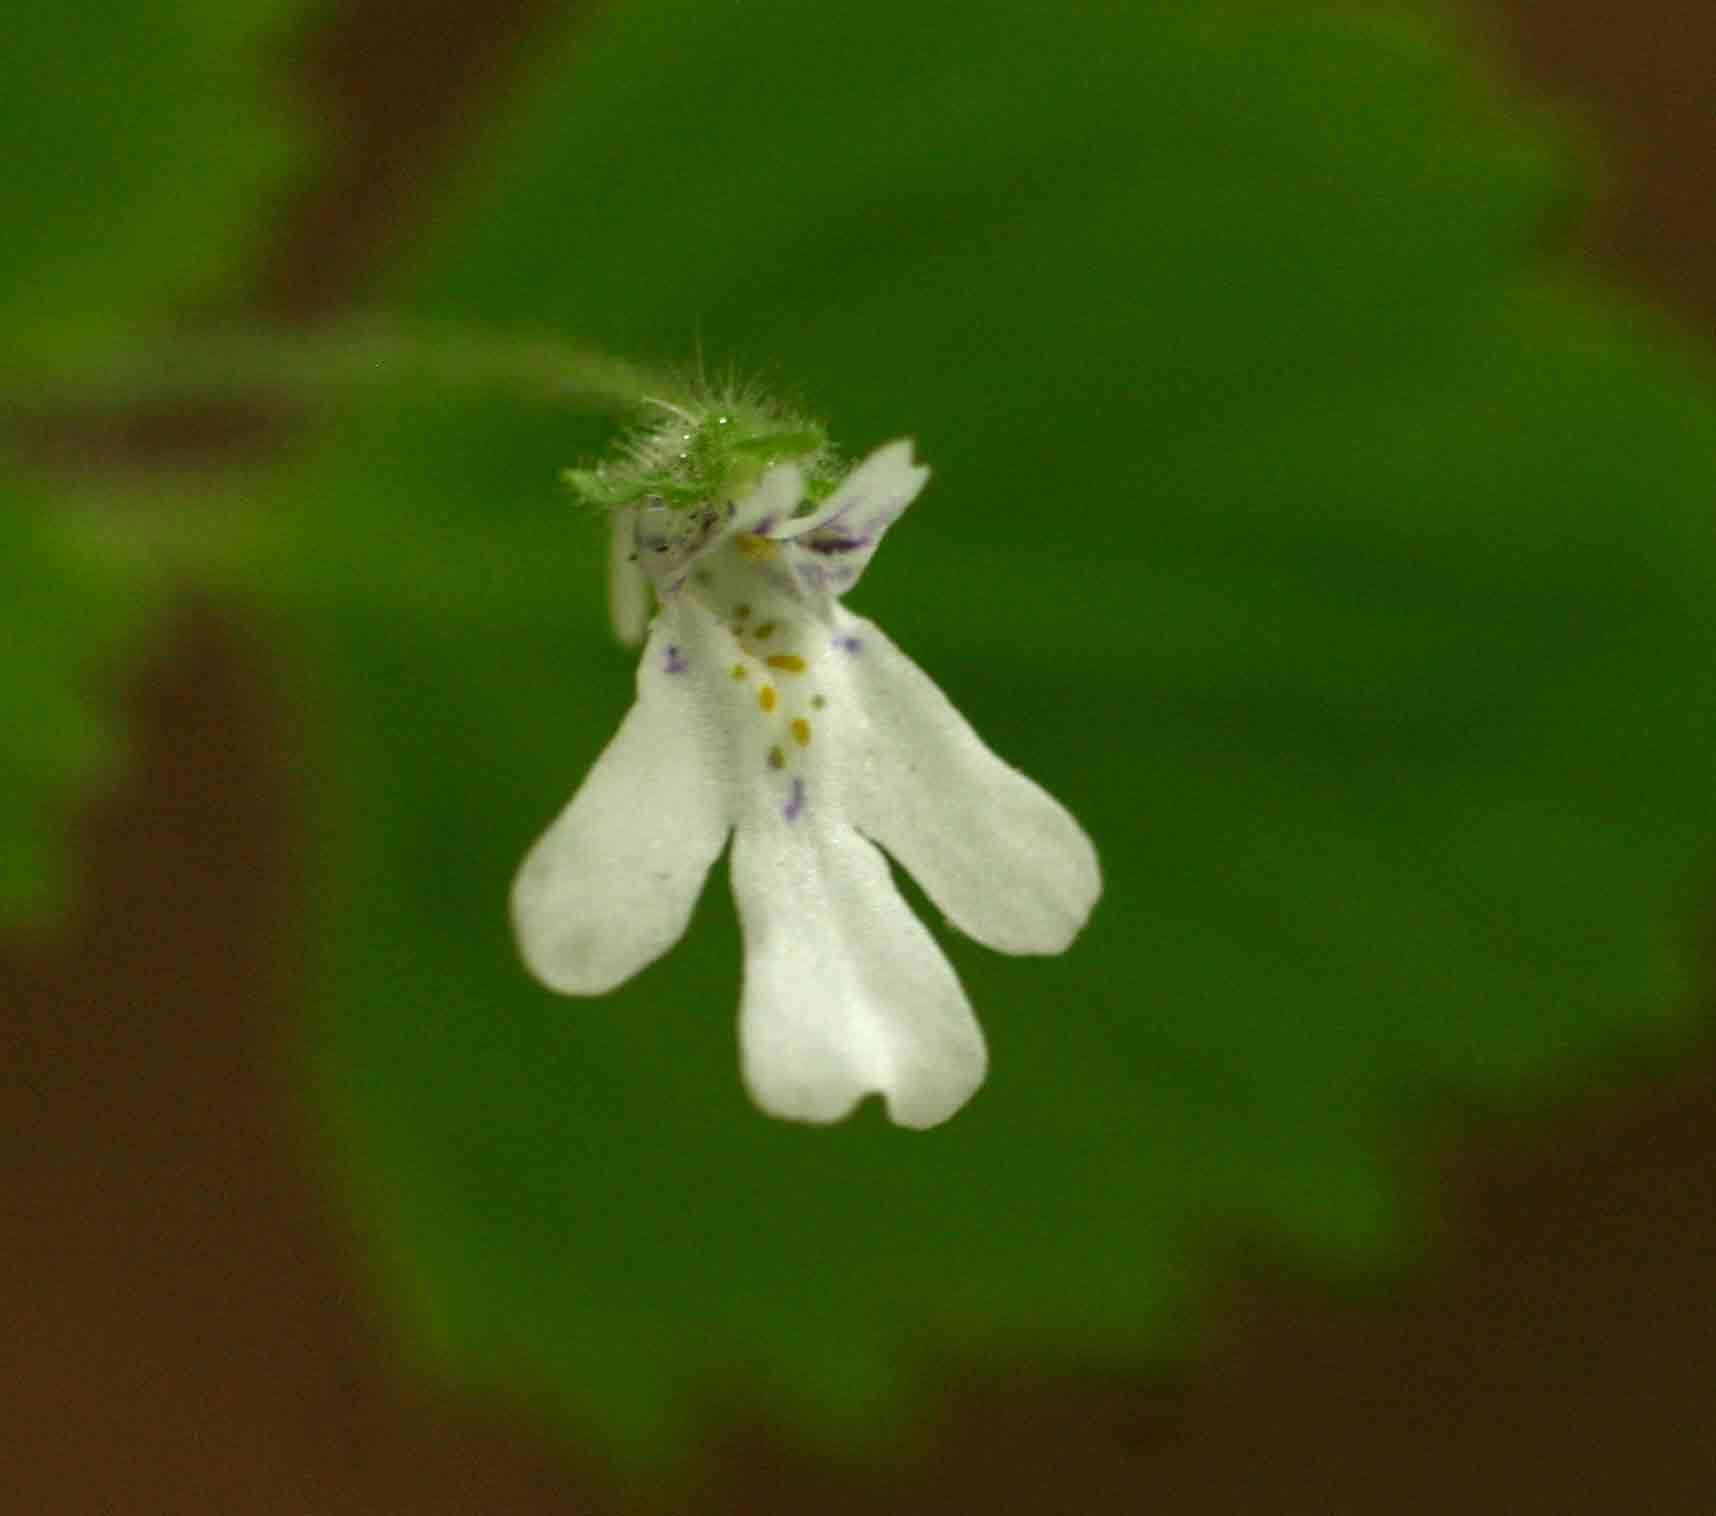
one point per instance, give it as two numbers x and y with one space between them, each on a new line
184 1329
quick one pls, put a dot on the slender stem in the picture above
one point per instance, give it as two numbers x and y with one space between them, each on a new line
217 537
313 365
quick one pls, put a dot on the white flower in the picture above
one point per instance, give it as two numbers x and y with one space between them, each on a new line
768 711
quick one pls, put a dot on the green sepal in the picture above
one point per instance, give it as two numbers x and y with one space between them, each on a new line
710 450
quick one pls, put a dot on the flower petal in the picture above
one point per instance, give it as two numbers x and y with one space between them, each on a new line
844 530
774 499
996 852
628 586
846 992
610 886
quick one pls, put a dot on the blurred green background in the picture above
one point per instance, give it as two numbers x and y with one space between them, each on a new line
1307 515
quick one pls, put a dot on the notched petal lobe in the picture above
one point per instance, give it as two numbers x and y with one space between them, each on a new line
846 993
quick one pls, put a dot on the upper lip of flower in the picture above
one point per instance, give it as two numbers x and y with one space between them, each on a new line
848 525
803 731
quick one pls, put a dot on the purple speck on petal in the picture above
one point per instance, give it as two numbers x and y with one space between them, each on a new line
848 644
833 542
795 801
856 503
675 664
763 527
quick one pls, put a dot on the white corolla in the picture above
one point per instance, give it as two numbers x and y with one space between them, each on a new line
767 711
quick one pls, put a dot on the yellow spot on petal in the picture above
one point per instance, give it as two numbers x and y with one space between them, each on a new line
777 759
738 671
766 697
757 549
790 662
801 732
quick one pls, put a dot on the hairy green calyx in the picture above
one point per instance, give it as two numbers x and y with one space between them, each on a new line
708 450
